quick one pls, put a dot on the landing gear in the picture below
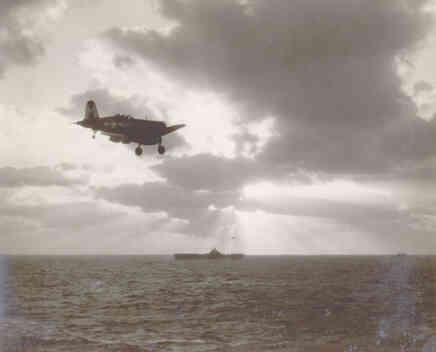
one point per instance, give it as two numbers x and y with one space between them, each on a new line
138 150
160 149
93 133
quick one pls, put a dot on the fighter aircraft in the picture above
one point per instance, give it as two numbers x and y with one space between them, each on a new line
126 129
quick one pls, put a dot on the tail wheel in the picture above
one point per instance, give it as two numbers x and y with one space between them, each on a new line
138 151
161 149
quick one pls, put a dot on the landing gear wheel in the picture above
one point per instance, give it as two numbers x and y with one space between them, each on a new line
138 151
161 149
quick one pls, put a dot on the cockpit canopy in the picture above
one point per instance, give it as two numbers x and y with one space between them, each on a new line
127 117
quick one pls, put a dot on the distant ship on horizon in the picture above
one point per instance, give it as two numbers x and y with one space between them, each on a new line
213 254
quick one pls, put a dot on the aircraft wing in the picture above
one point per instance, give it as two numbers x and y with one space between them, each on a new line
117 137
112 134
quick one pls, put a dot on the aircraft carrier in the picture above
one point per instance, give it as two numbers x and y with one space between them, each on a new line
213 254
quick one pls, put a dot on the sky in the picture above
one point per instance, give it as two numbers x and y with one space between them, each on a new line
310 126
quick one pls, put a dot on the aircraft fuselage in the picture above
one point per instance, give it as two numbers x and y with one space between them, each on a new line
126 129
130 130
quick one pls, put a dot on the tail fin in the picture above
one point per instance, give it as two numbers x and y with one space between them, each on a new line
91 112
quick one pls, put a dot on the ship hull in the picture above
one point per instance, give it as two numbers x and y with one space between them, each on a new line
194 256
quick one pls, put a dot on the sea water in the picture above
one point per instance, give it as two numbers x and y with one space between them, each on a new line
3 275
284 303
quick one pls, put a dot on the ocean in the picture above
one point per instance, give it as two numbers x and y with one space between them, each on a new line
259 303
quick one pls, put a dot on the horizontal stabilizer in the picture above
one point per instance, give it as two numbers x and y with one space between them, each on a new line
174 128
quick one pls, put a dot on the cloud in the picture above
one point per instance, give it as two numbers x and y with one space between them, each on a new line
19 43
61 228
107 104
372 216
188 205
422 86
297 191
212 173
200 202
67 166
212 124
42 204
325 70
383 220
312 235
35 176
424 171
196 184
123 61
218 174
62 221
329 225
61 217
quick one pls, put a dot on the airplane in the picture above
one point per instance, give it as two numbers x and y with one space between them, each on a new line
126 129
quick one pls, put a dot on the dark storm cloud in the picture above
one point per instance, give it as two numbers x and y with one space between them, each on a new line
325 69
109 104
35 176
209 172
17 47
176 201
423 172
